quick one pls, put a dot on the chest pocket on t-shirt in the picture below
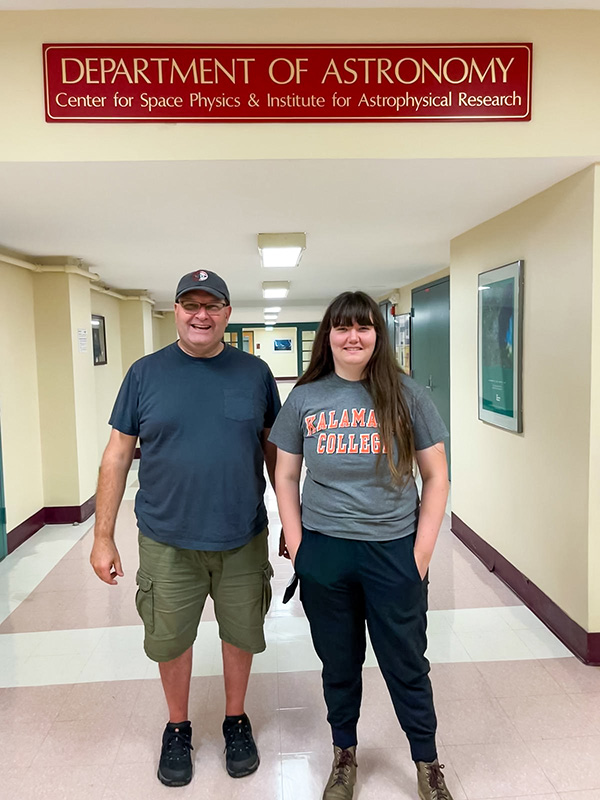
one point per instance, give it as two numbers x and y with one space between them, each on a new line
239 404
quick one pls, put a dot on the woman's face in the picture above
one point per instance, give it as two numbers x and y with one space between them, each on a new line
352 347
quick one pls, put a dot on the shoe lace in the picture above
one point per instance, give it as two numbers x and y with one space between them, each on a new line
238 737
341 769
436 782
178 746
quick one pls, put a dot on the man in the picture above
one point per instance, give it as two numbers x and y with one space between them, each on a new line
202 411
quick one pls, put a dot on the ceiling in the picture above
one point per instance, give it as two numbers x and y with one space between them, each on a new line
370 224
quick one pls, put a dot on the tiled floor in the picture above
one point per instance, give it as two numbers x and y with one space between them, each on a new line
81 708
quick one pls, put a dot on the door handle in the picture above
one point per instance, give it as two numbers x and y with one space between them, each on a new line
430 383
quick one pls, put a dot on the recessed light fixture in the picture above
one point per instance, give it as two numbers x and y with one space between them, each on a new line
272 310
270 318
269 328
275 288
281 249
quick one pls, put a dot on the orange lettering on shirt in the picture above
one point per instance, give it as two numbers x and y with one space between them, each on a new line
345 420
358 417
331 442
308 421
352 443
341 447
364 443
321 443
371 422
333 423
322 423
375 443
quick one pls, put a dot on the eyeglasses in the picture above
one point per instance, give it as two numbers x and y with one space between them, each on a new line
214 309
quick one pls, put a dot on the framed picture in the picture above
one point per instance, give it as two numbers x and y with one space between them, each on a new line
402 326
280 345
500 346
99 340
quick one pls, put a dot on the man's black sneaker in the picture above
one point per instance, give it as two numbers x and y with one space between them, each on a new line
241 755
175 765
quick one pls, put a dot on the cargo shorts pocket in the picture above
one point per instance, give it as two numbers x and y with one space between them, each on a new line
267 592
144 602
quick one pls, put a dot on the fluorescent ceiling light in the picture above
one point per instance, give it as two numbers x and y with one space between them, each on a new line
270 317
275 288
281 249
269 327
272 310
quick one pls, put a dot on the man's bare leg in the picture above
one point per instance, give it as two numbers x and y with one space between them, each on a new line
176 676
236 671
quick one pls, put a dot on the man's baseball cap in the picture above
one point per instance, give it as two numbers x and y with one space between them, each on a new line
205 281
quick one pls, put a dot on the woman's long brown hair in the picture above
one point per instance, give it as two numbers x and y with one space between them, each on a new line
381 377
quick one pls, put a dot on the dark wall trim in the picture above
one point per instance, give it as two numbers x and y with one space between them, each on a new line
26 529
584 645
52 515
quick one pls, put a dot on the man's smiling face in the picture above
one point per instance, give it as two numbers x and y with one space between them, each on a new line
201 333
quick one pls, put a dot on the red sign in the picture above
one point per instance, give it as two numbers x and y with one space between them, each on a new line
287 83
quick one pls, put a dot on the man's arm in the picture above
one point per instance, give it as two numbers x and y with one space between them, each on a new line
115 465
434 472
270 455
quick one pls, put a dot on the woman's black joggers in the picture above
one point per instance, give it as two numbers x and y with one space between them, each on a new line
345 582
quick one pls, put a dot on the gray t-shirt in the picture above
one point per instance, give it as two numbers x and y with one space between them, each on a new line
332 423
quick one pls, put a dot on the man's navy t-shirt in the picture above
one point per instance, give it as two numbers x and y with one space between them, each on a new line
200 424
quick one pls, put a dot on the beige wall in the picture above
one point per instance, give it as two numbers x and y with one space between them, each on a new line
402 297
283 364
527 495
66 387
594 480
84 387
164 330
136 330
57 396
107 377
19 397
566 66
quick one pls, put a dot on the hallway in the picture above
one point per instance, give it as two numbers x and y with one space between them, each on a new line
81 708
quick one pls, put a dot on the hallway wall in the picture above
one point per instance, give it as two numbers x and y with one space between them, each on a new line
19 396
107 376
527 494
594 478
566 65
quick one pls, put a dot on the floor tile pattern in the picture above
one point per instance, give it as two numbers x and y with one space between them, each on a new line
82 711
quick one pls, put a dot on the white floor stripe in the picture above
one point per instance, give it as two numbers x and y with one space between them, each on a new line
105 654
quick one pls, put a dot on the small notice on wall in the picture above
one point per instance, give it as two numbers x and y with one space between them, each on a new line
288 83
82 339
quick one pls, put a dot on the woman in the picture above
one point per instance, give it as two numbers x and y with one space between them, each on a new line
360 541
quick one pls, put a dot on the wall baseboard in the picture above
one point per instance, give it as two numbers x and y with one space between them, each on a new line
51 515
584 645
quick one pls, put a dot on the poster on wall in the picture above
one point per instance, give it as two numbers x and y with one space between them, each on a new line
500 323
282 345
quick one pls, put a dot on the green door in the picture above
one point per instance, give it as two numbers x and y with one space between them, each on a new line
430 344
3 545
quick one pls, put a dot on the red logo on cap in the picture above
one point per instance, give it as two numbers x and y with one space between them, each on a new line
201 275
